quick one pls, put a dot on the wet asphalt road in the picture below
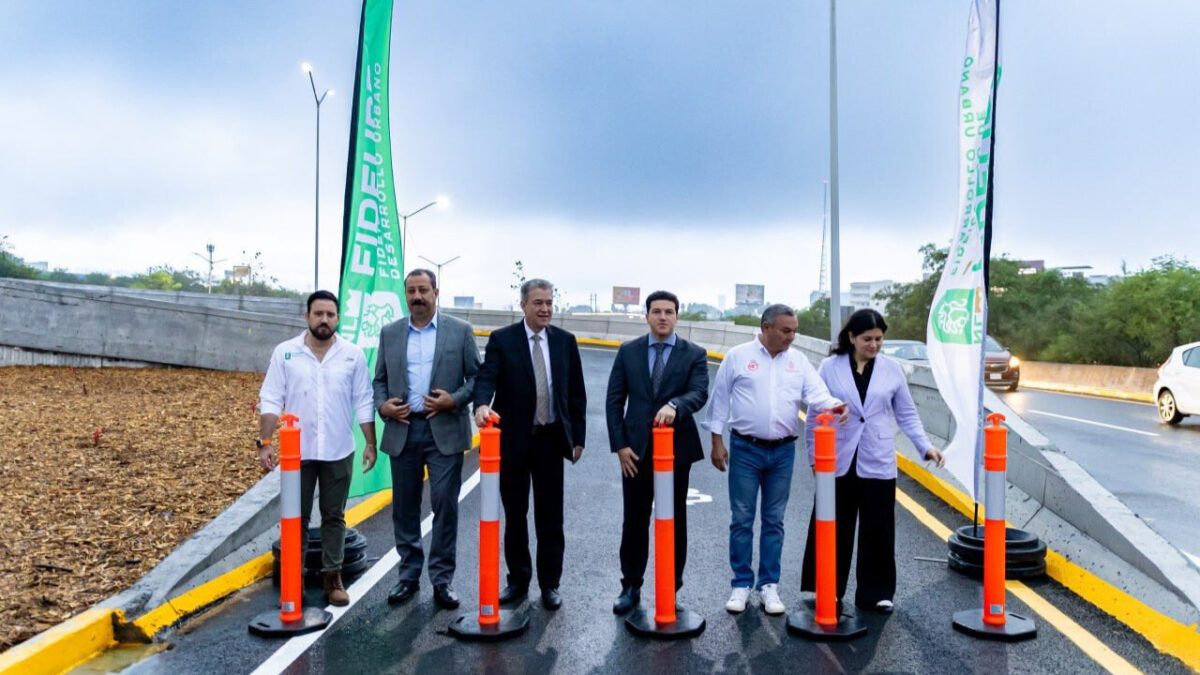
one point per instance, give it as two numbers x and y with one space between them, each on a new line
1153 468
585 637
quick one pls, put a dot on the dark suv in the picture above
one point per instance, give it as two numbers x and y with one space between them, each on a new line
1000 367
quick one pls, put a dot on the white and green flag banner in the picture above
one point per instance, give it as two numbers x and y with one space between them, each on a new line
372 286
958 314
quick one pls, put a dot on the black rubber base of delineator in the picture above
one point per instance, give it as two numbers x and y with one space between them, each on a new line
268 624
467 627
688 624
1015 628
804 624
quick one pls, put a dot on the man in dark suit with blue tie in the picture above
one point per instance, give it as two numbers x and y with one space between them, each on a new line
532 377
657 379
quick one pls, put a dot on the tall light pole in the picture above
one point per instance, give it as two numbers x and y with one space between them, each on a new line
835 263
439 266
317 197
440 202
211 263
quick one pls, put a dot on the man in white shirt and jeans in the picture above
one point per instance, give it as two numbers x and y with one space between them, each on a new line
324 381
757 395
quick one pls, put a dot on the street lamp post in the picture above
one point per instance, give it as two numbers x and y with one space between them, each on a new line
439 266
317 197
440 202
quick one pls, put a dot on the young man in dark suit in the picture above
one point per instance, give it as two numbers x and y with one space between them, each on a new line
533 378
657 379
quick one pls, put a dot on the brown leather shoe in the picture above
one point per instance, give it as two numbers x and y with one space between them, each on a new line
335 592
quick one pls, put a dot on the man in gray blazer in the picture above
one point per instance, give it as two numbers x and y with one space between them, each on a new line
424 381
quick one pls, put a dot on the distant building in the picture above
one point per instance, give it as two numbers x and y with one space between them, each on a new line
862 294
817 296
1080 271
1031 266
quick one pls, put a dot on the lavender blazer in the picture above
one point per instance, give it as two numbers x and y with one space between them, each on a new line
869 428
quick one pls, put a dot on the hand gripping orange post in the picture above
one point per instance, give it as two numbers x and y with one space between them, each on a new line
824 624
992 622
669 621
293 618
491 622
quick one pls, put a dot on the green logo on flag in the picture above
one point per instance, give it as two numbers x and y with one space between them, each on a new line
957 317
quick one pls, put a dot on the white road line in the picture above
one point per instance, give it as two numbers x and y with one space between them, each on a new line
1099 424
293 648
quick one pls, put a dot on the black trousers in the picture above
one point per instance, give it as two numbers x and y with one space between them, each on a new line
542 465
638 496
872 503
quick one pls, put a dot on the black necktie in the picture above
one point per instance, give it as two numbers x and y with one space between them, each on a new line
656 374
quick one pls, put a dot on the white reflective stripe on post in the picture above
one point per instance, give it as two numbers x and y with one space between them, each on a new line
664 495
826 496
993 496
289 494
489 488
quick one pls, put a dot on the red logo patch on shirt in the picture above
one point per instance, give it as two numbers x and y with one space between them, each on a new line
752 366
791 366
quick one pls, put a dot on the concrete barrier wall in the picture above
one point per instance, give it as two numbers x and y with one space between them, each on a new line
1135 382
70 320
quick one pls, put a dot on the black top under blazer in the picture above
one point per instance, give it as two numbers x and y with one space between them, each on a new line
505 382
630 406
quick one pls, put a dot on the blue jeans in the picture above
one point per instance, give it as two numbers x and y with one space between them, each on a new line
750 468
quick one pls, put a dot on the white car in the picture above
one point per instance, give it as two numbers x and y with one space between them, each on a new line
1177 390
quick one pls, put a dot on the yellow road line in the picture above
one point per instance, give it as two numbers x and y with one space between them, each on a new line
1166 634
1094 648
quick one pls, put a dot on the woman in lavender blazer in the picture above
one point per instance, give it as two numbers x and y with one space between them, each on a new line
876 391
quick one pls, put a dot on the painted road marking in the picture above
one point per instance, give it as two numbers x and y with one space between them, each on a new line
695 496
1099 424
1093 647
291 650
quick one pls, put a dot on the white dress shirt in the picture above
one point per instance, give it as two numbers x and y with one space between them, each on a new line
760 396
328 396
545 344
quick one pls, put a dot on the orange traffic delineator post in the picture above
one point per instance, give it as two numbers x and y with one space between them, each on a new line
491 622
992 622
293 618
668 621
825 624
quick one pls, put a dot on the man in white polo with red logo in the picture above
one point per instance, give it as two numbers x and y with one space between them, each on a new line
757 395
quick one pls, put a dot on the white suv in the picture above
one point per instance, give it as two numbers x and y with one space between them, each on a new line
1177 390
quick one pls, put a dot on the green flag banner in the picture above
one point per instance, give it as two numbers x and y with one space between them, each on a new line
372 284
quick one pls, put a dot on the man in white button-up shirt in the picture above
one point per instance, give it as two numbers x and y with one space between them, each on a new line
324 381
757 395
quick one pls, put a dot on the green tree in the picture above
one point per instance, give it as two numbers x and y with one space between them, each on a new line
157 278
907 308
814 320
10 266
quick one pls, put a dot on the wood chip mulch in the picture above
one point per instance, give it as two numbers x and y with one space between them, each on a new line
103 472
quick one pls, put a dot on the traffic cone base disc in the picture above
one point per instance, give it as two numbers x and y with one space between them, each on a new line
268 624
804 624
467 627
688 624
1015 628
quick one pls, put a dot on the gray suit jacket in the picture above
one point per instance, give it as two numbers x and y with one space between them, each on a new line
455 363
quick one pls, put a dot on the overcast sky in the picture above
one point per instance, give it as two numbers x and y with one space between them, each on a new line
667 144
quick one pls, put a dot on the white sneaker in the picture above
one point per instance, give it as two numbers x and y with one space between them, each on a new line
769 593
737 600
